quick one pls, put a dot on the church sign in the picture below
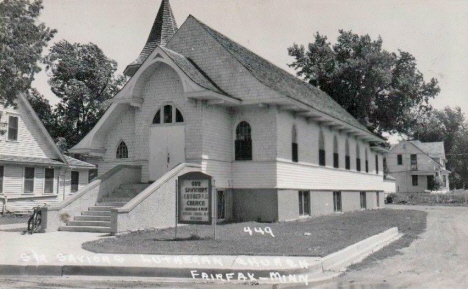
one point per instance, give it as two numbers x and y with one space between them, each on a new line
194 199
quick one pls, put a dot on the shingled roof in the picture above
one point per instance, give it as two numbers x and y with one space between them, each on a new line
192 71
433 149
283 82
164 27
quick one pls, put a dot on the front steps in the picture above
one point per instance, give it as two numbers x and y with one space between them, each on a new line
97 218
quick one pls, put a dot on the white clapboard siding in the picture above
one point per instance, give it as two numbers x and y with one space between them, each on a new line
220 170
39 174
298 176
13 180
254 175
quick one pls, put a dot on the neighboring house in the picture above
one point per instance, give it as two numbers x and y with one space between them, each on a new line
32 169
416 166
277 147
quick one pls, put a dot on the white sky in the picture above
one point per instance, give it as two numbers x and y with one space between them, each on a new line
435 32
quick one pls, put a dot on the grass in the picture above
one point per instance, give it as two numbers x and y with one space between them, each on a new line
328 234
13 219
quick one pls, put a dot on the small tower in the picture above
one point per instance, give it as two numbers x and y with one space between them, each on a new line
164 27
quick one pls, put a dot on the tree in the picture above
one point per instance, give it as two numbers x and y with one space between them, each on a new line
43 110
383 90
450 126
22 39
83 78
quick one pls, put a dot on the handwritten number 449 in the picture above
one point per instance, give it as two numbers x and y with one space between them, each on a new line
266 230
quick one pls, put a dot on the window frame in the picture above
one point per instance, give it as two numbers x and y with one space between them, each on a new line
347 156
29 180
376 164
2 177
175 113
119 154
8 128
367 161
358 158
72 190
294 146
399 159
304 203
337 202
246 142
336 154
414 180
48 179
363 200
322 151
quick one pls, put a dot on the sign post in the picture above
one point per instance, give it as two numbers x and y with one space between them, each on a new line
194 200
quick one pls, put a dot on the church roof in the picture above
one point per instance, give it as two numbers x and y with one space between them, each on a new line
281 81
192 71
164 27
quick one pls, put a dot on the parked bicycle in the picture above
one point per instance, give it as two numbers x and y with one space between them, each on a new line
34 222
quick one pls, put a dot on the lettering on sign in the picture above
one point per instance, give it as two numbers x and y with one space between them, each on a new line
194 198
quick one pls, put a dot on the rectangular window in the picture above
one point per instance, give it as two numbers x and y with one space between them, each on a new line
13 128
168 114
92 174
304 203
49 181
414 159
377 164
2 171
444 178
322 157
75 179
414 180
400 159
295 153
363 200
220 209
367 166
28 180
377 197
358 164
337 201
347 162
336 160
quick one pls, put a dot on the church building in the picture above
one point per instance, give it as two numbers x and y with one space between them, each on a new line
277 147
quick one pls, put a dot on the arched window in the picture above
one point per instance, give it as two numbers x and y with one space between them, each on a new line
122 151
336 156
347 158
367 162
168 114
358 158
295 150
321 149
243 143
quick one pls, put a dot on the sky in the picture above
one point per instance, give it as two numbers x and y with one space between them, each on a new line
435 32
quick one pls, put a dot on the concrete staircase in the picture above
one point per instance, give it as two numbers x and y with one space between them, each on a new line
97 219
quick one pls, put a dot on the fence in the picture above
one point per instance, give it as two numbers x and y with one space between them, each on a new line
458 197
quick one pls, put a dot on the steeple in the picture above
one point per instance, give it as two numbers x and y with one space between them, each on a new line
164 27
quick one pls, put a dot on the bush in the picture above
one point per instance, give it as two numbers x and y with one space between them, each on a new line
428 198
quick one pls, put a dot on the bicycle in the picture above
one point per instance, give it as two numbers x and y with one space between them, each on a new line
34 221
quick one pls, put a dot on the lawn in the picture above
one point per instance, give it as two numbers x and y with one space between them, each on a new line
311 237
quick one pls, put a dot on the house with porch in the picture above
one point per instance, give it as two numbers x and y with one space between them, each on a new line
277 148
417 166
32 169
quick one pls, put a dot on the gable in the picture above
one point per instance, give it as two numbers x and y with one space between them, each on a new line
33 141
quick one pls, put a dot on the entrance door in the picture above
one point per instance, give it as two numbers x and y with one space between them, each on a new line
167 149
430 183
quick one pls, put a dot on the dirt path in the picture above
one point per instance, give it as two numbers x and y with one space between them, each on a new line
439 259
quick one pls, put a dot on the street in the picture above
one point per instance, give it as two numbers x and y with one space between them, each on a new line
439 259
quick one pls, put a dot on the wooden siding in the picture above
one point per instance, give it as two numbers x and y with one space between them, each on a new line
312 177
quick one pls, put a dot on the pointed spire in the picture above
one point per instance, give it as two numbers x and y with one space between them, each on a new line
164 27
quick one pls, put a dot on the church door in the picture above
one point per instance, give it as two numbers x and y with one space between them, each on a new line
167 142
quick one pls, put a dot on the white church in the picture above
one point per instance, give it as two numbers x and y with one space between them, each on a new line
278 148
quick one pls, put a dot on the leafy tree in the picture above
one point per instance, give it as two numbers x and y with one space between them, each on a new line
383 90
83 78
22 39
450 126
43 109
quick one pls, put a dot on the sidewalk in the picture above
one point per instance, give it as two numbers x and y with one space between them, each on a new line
60 254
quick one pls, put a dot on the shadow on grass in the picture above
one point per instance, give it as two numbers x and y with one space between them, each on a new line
192 237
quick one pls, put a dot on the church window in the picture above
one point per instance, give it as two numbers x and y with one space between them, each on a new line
243 143
169 114
122 151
